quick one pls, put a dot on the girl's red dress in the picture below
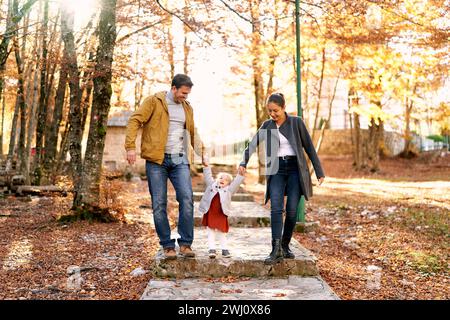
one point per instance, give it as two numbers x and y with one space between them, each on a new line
215 218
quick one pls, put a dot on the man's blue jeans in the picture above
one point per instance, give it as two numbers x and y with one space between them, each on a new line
175 168
285 181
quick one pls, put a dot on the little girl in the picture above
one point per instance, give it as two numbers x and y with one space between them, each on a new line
216 207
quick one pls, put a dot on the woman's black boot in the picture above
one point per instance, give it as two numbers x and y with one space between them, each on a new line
287 253
276 255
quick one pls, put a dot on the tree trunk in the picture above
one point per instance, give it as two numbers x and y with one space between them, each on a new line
21 103
407 149
305 98
261 112
186 50
2 124
326 122
32 119
350 121
86 90
319 94
407 125
358 144
170 52
22 107
32 95
13 136
186 42
100 105
137 68
42 109
140 92
3 58
63 149
74 118
11 21
274 54
31 124
375 133
52 140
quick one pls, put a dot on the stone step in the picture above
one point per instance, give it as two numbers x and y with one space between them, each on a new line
235 197
248 246
246 214
286 288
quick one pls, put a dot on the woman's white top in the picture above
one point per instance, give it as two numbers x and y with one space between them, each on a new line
285 148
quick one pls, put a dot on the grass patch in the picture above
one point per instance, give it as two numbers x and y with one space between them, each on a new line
434 222
419 260
425 263
343 207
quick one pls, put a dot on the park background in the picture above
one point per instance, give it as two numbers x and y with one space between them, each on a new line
375 98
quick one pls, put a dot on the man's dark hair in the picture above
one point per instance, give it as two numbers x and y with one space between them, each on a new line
181 80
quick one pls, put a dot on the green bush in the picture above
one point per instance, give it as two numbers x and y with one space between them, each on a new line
436 138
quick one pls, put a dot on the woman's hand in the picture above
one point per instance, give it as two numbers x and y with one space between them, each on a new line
321 179
205 161
241 170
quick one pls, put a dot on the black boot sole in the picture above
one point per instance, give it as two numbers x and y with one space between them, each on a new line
278 260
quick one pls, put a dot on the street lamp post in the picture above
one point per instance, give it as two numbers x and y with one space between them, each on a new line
301 203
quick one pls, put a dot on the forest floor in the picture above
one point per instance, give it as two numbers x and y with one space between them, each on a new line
381 236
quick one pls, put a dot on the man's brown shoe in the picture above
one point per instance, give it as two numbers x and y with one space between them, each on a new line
187 252
170 253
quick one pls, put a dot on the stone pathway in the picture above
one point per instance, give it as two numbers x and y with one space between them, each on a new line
289 288
244 275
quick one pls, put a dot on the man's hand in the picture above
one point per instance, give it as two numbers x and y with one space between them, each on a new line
321 179
241 170
131 156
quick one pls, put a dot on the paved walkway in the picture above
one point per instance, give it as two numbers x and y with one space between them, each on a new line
244 275
289 288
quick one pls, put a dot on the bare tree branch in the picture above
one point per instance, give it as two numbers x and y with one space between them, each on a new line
140 30
237 13
182 20
23 11
315 20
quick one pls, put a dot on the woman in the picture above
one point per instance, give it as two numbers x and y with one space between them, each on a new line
287 173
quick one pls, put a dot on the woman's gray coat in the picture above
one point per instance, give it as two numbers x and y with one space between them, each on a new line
295 131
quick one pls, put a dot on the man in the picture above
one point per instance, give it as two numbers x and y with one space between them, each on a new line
168 125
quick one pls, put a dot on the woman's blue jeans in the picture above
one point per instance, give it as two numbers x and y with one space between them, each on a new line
285 181
176 168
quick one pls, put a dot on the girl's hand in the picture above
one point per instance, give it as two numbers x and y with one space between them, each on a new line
241 170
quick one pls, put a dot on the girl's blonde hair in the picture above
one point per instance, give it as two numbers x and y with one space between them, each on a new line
229 176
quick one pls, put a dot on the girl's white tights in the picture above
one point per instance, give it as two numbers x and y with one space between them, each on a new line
214 234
